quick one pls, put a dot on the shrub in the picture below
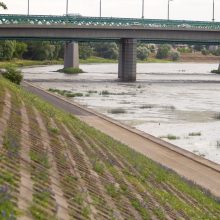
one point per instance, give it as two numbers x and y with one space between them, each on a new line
13 74
205 52
175 55
163 52
142 53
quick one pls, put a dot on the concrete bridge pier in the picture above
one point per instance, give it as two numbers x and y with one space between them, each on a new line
127 60
71 55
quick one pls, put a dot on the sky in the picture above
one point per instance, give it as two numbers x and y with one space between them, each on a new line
154 9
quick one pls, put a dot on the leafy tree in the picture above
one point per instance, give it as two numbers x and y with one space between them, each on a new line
85 51
106 50
7 49
41 50
175 55
142 52
163 51
20 49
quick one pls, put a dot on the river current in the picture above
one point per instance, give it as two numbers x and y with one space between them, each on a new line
178 102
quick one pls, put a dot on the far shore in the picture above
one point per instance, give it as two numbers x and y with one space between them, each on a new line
191 58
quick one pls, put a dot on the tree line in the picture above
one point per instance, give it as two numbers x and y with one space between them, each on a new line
48 50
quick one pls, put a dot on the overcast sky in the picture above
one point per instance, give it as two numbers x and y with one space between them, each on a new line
179 9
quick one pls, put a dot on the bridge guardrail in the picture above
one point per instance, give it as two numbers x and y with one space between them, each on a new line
105 21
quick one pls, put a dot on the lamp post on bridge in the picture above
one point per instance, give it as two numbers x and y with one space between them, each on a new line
28 7
213 11
67 7
168 12
100 8
142 9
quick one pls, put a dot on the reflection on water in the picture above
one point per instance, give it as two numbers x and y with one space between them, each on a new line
167 99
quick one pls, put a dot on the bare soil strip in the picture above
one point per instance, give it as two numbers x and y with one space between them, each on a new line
62 208
26 185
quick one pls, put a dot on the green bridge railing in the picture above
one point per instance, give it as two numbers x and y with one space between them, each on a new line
105 21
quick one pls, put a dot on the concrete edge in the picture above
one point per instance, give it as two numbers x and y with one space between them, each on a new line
212 165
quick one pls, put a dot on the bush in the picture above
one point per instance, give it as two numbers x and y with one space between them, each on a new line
205 52
175 55
163 52
13 74
142 53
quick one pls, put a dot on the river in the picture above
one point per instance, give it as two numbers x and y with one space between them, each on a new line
178 102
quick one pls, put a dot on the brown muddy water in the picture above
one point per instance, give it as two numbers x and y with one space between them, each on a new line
178 102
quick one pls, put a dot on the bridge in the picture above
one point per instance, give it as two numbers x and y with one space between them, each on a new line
126 31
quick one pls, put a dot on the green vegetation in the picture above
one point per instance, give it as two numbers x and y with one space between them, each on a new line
117 111
70 70
65 93
171 137
216 71
195 134
13 74
163 51
134 182
24 63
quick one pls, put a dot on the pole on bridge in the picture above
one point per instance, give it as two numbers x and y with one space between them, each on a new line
100 8
213 11
67 7
142 9
28 7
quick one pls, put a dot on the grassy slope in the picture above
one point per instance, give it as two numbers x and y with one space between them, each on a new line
135 174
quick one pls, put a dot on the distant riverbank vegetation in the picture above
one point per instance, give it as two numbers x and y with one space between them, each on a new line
29 53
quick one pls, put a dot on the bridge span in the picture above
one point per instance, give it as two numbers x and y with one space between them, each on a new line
126 31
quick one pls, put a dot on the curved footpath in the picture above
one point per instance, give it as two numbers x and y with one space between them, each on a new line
194 168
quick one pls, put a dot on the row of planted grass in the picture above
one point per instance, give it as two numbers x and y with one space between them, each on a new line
10 163
141 163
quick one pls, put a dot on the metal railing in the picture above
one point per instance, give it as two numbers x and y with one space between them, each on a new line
105 21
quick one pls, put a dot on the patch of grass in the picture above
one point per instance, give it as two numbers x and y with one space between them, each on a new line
70 70
147 106
54 130
170 137
92 91
98 167
86 211
105 92
98 60
195 134
159 213
112 191
117 111
66 93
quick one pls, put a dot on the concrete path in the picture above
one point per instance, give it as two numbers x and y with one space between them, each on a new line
199 170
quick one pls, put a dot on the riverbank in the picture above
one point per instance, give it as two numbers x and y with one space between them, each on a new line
74 158
190 57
